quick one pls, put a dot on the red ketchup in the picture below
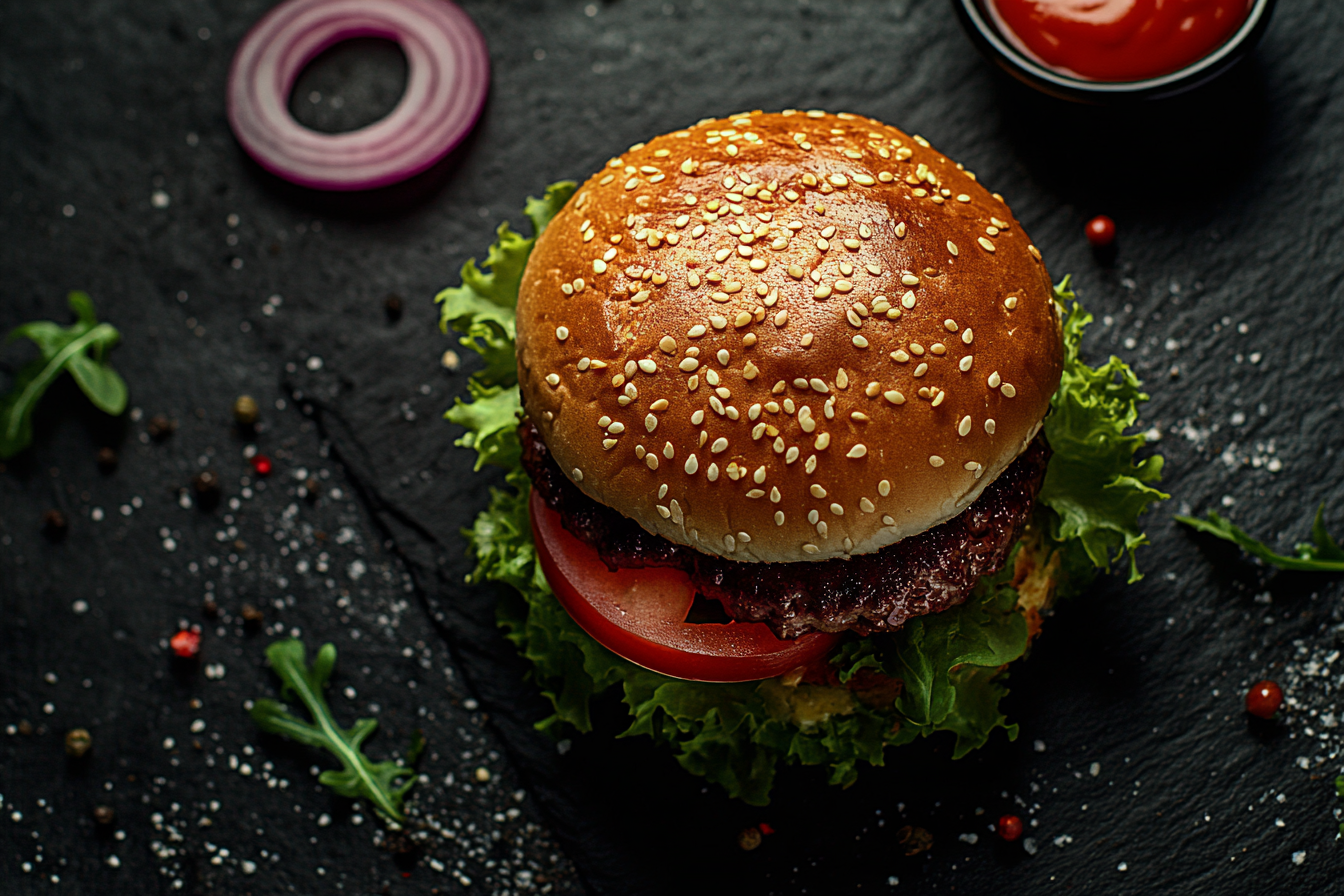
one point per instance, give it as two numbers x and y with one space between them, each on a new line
1119 40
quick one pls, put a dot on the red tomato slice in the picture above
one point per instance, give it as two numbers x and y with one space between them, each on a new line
640 614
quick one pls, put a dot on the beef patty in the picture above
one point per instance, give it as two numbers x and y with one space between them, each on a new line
876 592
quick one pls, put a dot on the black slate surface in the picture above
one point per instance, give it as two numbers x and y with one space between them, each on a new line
1136 769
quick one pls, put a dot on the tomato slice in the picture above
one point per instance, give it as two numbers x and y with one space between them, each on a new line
640 614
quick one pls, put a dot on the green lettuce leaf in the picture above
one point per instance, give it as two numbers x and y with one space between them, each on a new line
1093 485
737 735
1321 554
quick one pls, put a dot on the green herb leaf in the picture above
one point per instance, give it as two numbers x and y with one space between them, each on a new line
359 778
1093 484
1323 554
736 735
79 349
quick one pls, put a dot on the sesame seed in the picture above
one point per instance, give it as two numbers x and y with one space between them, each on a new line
965 363
639 297
809 548
894 396
648 366
651 461
697 231
712 474
553 379
632 183
900 230
872 389
599 266
900 356
938 348
608 444
1035 253
994 380
806 340
985 243
562 333
857 451
722 254
818 384
718 322
759 476
1010 303
662 511
823 441
696 331
962 197
922 369
909 280
821 292
743 318
989 426
843 286
938 399
964 428
712 377
667 344
719 446
791 455
1008 390
756 493
936 461
838 180
817 491
691 465
908 300
864 179
616 428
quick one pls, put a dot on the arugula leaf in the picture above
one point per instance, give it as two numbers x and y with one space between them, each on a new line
1322 554
358 777
736 735
1093 485
79 349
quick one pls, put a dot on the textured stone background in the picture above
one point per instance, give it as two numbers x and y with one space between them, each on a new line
1224 295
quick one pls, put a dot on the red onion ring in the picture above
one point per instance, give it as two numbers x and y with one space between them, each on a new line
448 75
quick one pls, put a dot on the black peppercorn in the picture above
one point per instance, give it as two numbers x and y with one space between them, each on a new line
252 617
104 816
160 427
245 411
78 742
392 305
206 486
54 525
107 460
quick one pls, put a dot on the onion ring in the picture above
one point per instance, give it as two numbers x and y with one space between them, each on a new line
448 76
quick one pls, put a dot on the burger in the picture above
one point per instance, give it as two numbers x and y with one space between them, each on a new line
799 443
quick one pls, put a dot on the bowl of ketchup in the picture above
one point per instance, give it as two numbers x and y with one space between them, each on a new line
1100 51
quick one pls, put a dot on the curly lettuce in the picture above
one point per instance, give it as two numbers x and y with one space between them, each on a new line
950 666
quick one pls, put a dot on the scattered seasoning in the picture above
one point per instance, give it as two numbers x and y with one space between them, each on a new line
107 460
55 525
1264 699
1100 231
160 427
392 307
261 464
766 829
245 411
104 816
210 608
186 644
749 839
1010 827
78 742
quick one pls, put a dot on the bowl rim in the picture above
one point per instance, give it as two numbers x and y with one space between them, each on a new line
1190 75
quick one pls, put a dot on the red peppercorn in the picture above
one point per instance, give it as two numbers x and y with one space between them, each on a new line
1264 699
1100 231
186 643
766 829
262 464
1010 827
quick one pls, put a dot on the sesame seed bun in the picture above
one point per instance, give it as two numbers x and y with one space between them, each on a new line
786 337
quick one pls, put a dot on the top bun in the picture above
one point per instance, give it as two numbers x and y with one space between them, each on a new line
786 337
